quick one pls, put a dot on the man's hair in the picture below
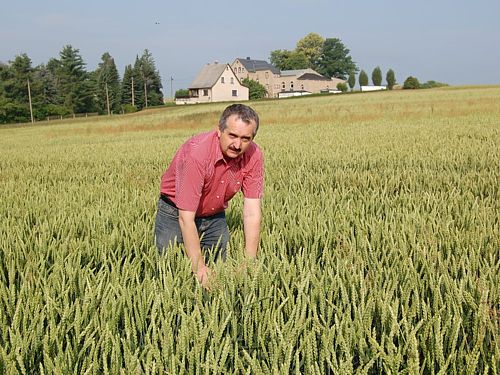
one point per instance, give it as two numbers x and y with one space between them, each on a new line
243 112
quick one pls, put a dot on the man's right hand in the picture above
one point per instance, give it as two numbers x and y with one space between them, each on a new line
203 275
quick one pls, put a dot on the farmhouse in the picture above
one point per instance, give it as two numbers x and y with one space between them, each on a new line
258 70
307 80
283 83
215 83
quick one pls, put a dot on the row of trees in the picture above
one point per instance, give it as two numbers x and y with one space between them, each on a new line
390 78
63 86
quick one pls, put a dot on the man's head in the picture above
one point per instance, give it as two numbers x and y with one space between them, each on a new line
237 128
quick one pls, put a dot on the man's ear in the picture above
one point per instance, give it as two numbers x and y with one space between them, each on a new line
218 131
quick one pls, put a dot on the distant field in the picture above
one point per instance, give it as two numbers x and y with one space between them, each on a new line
380 248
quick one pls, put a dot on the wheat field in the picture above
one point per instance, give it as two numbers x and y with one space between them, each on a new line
380 246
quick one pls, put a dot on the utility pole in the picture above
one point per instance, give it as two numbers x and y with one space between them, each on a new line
31 106
107 98
133 97
171 87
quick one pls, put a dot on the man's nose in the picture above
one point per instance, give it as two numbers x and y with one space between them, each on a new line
237 143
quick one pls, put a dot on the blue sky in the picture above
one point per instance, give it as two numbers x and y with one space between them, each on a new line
457 42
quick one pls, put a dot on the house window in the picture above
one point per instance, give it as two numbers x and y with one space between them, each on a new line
291 86
205 92
235 92
267 75
239 70
302 87
221 79
283 86
232 81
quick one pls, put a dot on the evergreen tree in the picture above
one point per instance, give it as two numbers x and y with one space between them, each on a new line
126 88
391 79
148 86
334 60
46 75
138 84
352 80
15 87
107 83
363 78
74 81
377 76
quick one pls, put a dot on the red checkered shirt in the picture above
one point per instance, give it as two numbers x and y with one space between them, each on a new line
201 180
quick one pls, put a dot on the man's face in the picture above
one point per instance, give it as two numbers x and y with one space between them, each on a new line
237 136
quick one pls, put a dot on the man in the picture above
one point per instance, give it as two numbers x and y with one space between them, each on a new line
205 173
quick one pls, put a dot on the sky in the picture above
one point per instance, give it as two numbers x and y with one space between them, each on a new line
451 41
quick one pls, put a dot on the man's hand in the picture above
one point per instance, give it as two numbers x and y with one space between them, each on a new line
204 275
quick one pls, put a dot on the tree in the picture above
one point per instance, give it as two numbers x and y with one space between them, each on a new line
363 78
139 97
352 80
411 83
47 76
126 88
74 81
334 60
15 77
147 82
377 76
289 60
107 85
391 79
311 46
255 89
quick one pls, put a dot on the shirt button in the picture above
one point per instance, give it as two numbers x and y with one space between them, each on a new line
222 182
217 196
238 182
213 209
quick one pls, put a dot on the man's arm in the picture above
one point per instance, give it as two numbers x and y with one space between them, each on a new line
192 245
252 217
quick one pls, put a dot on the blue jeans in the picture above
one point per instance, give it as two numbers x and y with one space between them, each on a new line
213 231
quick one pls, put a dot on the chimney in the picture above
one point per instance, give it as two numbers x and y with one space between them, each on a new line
248 57
216 62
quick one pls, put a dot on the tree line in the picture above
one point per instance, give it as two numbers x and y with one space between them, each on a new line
63 87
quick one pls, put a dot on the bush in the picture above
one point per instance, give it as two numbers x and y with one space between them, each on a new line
342 86
255 89
129 108
432 84
411 83
182 93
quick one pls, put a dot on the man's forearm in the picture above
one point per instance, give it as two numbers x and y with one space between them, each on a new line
191 241
251 226
252 236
